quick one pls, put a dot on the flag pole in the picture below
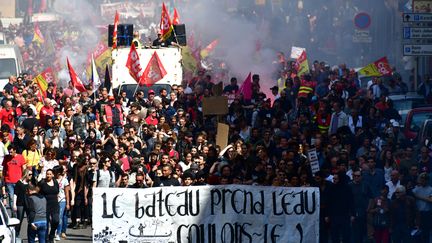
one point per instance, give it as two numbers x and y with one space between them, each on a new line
136 89
119 89
175 36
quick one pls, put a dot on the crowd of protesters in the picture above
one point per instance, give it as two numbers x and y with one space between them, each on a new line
374 184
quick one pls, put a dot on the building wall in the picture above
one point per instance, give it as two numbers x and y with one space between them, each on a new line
7 8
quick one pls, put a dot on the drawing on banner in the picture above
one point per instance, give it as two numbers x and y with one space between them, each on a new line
232 213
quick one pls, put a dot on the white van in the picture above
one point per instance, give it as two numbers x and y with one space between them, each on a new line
11 63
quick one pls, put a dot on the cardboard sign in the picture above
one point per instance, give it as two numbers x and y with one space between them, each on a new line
217 105
231 213
222 135
313 160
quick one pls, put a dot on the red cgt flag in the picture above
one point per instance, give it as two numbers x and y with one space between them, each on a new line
116 22
76 82
383 66
154 71
165 24
134 65
175 19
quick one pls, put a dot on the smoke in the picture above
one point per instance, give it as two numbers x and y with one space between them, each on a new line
326 29
82 14
238 38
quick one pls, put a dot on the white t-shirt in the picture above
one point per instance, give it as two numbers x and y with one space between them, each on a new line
105 179
63 183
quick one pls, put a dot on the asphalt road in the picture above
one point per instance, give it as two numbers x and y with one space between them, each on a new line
78 235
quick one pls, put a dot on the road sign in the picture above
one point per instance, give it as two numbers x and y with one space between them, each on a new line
362 36
362 20
417 50
417 33
417 17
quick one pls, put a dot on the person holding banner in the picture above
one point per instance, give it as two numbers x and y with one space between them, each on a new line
166 179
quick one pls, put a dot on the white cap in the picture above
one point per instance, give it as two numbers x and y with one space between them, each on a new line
394 123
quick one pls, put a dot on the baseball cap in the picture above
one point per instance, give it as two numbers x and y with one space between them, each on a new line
151 91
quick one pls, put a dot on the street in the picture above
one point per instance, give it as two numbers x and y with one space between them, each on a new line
78 235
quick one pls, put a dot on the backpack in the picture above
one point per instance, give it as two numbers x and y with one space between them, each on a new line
98 176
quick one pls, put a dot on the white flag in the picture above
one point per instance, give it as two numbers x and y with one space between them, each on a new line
95 76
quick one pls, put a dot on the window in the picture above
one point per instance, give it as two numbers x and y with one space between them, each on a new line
418 119
7 68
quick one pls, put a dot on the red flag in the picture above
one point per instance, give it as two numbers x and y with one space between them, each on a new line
165 24
176 19
43 79
76 82
154 71
116 22
383 66
134 65
209 48
246 88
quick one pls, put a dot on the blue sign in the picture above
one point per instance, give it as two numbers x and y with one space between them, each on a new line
407 32
362 20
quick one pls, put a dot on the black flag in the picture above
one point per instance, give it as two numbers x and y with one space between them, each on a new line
107 82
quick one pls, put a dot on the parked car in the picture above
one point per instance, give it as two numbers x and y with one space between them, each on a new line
414 121
403 103
425 135
7 226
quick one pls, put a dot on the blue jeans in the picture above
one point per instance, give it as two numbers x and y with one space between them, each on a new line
40 232
11 192
63 218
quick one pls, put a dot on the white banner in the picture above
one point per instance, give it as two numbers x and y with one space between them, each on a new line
206 214
129 9
296 51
